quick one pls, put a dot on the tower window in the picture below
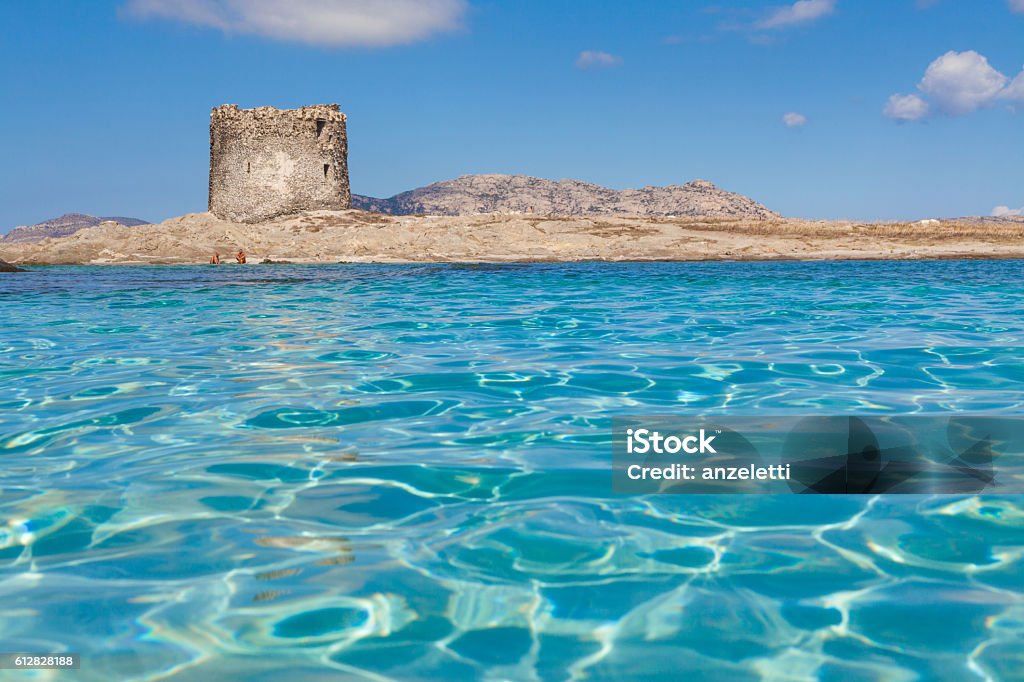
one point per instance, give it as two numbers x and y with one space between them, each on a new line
320 123
327 167
248 167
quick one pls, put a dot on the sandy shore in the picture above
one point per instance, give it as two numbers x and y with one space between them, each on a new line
357 236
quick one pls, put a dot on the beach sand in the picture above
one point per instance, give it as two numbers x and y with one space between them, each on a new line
358 236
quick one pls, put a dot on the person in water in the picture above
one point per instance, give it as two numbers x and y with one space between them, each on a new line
240 257
215 259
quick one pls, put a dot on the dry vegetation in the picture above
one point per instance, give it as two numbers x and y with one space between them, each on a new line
945 231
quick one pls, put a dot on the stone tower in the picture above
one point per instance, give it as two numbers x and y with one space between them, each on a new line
267 162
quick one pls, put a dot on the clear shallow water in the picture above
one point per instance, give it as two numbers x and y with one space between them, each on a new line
401 472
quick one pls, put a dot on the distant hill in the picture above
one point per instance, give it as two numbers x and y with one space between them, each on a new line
69 223
474 194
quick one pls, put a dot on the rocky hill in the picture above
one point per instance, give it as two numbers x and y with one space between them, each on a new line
67 224
476 194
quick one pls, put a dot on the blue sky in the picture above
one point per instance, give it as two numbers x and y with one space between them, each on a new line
105 105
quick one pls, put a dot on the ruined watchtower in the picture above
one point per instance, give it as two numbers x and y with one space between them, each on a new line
267 162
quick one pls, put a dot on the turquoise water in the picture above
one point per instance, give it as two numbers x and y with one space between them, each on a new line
401 472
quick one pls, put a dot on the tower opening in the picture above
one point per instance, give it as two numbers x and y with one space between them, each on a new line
248 167
320 123
327 167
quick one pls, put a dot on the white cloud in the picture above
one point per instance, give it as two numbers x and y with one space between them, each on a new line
1006 211
331 23
792 119
906 108
1014 92
958 83
1017 6
595 59
961 82
800 12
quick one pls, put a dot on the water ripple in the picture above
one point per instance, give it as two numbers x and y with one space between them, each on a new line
400 472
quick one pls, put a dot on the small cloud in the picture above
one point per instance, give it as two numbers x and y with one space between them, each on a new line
693 39
792 119
763 39
905 108
595 59
330 23
1007 212
1017 6
962 82
800 12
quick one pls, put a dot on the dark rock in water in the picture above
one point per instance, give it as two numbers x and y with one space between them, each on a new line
7 267
267 261
475 194
67 224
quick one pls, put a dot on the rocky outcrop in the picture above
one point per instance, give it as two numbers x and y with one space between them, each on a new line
7 267
67 224
358 236
477 194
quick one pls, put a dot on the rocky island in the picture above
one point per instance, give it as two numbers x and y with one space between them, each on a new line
279 190
360 236
67 224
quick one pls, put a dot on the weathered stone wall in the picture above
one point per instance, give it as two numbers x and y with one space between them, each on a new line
267 162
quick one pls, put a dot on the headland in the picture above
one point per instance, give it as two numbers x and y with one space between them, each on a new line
360 236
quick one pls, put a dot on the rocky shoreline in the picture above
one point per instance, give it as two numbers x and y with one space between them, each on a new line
359 236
